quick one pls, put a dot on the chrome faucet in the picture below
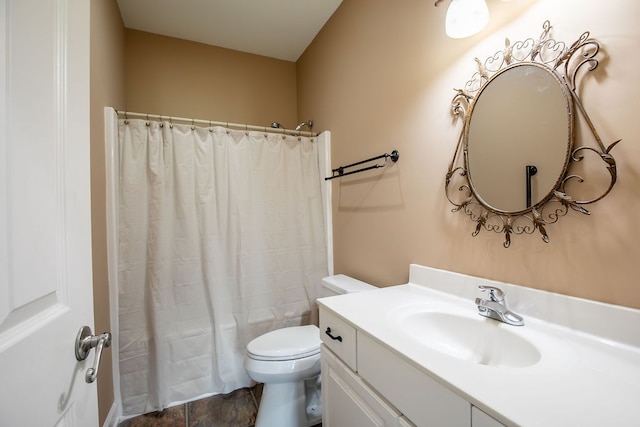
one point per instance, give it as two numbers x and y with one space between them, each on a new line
496 307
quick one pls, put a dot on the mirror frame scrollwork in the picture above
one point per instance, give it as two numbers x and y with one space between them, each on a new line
564 62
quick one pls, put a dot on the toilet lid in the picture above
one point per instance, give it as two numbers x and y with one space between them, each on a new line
294 342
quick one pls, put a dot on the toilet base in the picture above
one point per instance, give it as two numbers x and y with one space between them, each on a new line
284 405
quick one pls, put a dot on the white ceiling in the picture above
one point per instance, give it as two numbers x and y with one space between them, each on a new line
279 29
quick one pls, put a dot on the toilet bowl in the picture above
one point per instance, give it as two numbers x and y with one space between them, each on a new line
287 361
283 359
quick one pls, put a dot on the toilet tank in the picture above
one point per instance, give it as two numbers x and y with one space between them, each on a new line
340 284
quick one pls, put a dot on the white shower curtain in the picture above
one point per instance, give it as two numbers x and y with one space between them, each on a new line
221 237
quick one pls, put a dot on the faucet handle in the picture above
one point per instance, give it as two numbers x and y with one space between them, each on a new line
495 294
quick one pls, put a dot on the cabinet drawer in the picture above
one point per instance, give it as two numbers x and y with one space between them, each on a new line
343 343
419 397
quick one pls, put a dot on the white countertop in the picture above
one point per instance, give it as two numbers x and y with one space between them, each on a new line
588 373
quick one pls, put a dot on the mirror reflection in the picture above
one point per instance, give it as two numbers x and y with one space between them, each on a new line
518 138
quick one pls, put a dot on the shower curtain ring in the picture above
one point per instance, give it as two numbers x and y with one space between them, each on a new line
193 127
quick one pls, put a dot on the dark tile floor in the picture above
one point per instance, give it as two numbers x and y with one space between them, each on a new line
236 409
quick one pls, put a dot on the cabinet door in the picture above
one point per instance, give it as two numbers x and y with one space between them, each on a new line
347 401
405 423
480 419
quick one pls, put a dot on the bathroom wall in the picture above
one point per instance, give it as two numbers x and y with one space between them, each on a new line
107 89
176 77
381 75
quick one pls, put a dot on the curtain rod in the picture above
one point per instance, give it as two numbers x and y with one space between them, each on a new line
229 125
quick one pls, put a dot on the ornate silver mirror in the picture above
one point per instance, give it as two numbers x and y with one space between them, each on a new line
518 166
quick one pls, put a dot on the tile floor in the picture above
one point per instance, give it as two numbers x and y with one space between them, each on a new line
236 409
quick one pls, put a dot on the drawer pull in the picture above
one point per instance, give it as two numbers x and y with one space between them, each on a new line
328 332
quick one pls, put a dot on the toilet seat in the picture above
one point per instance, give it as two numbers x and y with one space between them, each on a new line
295 342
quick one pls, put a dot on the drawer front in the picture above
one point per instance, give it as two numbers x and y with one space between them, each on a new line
420 398
343 343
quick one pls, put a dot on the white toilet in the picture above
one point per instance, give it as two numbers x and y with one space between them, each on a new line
287 361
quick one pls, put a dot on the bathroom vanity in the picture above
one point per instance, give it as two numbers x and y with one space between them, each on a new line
420 354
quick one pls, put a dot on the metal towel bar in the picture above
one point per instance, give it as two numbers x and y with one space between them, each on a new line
339 171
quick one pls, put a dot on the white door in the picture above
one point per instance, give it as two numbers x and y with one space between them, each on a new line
45 241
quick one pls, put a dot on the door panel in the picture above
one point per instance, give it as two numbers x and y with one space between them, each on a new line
45 258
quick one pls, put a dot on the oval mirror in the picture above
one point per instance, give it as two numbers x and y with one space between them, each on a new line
518 165
518 138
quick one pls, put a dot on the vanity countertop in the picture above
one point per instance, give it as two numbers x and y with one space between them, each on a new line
587 372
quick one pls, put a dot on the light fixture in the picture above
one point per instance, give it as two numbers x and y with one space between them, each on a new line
465 17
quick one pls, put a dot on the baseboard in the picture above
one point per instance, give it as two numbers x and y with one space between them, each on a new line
113 416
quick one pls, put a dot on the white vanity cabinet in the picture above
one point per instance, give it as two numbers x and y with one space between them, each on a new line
365 384
422 351
405 423
480 419
347 401
421 399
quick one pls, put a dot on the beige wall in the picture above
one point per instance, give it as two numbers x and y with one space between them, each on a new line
381 75
176 77
107 89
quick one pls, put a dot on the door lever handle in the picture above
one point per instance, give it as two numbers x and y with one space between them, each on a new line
85 341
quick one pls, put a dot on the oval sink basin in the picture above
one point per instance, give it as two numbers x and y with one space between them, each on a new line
477 340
